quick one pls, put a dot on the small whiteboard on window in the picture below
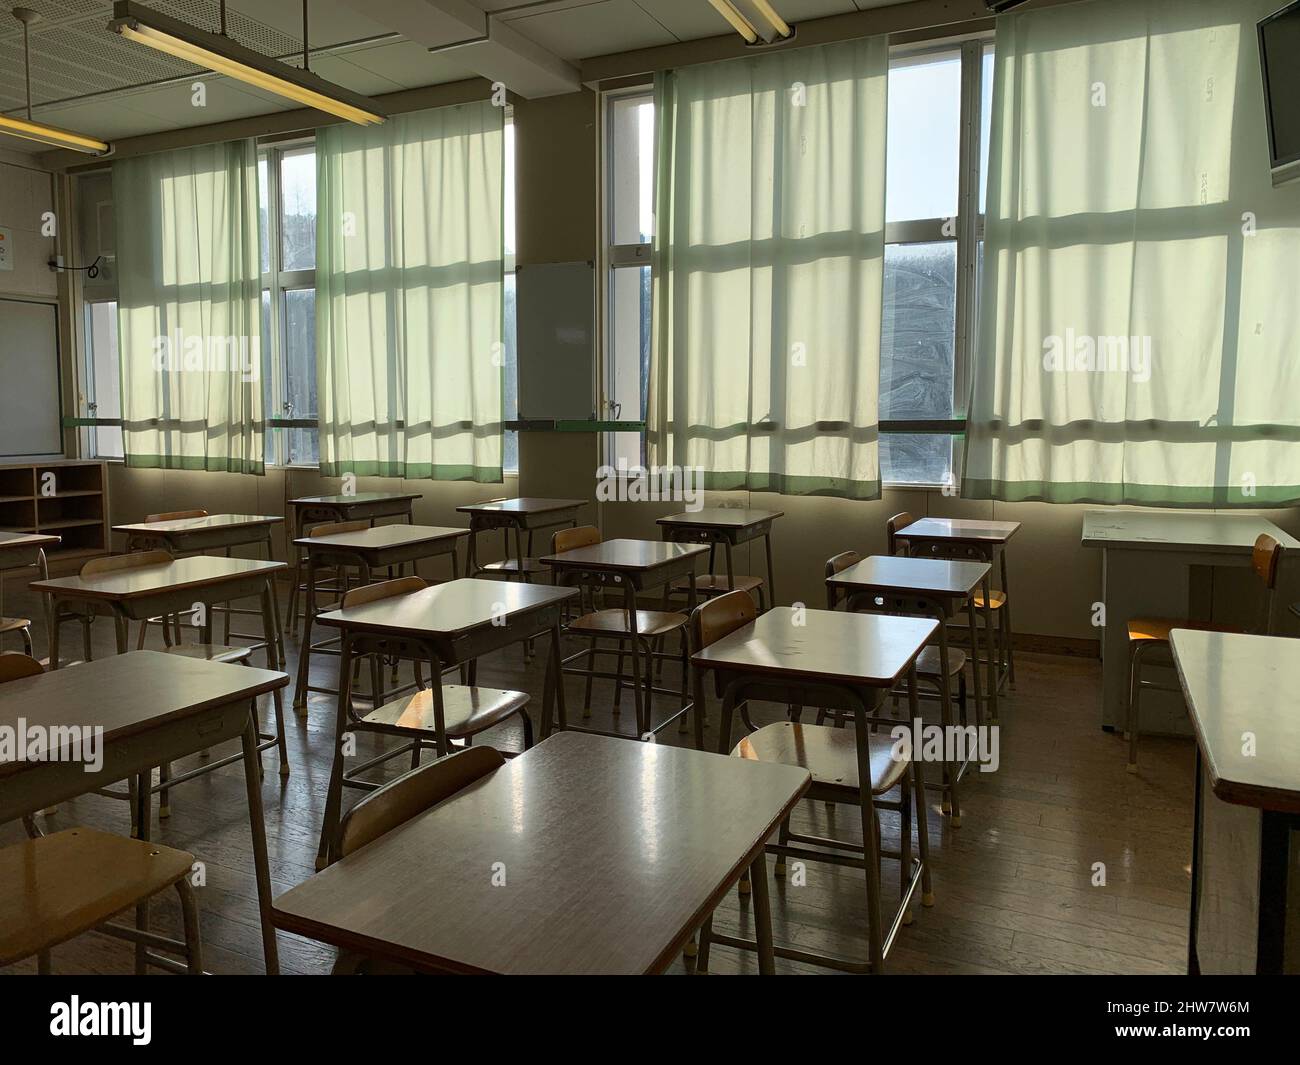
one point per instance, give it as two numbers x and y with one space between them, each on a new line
555 324
29 369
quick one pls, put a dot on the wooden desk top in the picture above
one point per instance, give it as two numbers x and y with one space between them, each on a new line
613 852
27 541
359 497
1156 530
929 576
448 609
721 517
831 645
127 694
623 555
197 571
383 536
212 521
963 530
1235 684
522 505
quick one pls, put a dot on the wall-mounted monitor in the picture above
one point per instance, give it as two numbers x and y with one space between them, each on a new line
1279 63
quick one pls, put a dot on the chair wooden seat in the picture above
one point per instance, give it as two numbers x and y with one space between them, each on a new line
467 711
929 663
14 624
615 623
997 600
511 565
717 584
1160 628
211 652
58 886
829 754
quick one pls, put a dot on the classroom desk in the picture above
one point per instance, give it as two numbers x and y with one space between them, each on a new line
632 566
368 550
841 661
938 588
612 853
174 587
21 551
359 506
1241 694
524 515
445 625
730 527
985 541
153 708
221 532
1146 560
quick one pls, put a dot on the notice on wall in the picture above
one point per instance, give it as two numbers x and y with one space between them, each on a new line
6 250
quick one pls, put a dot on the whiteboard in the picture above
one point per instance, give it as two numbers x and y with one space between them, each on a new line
29 373
555 333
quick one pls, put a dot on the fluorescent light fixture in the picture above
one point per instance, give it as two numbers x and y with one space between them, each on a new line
739 23
52 135
774 20
38 131
221 55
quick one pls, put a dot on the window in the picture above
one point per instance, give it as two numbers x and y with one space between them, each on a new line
932 235
103 385
510 350
933 243
287 194
629 206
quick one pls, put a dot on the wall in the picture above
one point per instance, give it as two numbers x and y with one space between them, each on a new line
26 193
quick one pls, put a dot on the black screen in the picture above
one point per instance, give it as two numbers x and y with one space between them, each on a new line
1279 49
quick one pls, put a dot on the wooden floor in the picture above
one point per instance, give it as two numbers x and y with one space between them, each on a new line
1064 863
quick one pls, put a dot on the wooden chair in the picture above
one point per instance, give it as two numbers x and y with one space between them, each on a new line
174 620
468 709
1145 633
390 807
56 887
929 663
15 666
830 755
597 624
997 598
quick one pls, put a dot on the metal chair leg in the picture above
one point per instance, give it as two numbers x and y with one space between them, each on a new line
190 919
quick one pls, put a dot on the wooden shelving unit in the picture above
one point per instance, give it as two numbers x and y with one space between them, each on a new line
72 503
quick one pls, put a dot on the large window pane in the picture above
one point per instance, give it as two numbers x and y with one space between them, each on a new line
510 391
916 458
300 373
628 370
298 209
105 381
986 121
264 211
924 137
631 170
917 329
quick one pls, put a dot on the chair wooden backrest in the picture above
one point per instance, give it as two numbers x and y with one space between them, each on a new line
893 527
569 539
331 528
838 564
412 793
135 559
15 666
384 590
1266 561
177 515
720 617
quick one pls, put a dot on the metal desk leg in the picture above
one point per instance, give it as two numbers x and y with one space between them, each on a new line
257 826
304 649
334 796
642 722
771 578
978 688
270 618
870 843
993 667
141 799
762 914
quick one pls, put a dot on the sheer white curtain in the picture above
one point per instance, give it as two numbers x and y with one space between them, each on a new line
767 270
189 308
409 283
1140 298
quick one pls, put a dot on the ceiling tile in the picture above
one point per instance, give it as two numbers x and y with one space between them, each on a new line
692 19
408 65
594 29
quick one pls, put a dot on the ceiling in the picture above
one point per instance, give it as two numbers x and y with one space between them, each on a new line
90 80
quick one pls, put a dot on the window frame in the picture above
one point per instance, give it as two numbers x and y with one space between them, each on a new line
968 231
